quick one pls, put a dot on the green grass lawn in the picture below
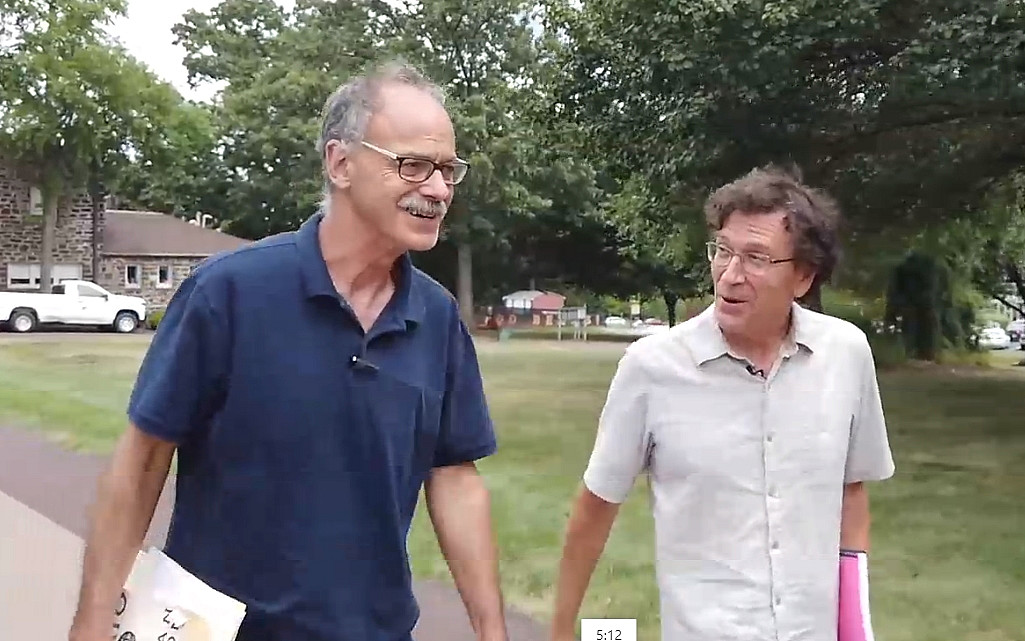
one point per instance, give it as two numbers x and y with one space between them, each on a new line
948 559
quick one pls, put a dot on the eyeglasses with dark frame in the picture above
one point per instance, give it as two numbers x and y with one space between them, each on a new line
753 262
417 170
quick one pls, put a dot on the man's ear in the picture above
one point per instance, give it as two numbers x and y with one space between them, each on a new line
806 277
337 167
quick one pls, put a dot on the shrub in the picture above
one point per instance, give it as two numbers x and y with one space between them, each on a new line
856 315
550 334
153 319
887 350
962 356
603 337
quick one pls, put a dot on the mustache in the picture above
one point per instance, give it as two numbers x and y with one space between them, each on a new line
421 205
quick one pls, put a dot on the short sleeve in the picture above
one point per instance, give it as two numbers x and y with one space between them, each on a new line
623 440
466 432
185 368
868 454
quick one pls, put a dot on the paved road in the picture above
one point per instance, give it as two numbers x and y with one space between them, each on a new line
60 485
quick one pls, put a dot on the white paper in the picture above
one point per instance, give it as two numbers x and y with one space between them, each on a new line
164 602
173 584
146 619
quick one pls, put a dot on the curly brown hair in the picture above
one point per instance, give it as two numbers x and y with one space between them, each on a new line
813 217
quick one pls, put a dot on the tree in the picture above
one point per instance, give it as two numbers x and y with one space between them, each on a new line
692 95
987 247
180 172
486 54
671 258
920 301
999 237
72 101
277 67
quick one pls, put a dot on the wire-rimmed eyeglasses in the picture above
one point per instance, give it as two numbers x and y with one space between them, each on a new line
753 262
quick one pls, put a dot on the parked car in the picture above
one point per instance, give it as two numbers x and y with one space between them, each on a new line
1016 330
72 302
994 338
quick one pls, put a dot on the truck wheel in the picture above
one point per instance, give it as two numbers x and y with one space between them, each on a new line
125 322
22 320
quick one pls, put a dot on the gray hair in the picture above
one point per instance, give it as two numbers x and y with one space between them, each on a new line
348 109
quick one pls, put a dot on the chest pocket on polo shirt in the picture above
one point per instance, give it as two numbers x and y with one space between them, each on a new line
404 419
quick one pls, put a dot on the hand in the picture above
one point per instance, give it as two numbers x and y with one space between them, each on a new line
494 633
91 628
562 635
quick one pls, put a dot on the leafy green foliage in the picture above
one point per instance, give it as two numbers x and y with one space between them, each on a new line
487 54
594 130
907 112
74 105
56 85
180 172
921 301
276 68
997 256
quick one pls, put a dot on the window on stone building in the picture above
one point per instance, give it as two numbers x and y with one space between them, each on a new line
164 276
133 276
65 272
35 201
22 276
27 275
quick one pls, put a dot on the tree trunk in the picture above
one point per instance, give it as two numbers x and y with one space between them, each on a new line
916 296
50 204
94 237
464 282
670 298
51 188
1014 274
97 194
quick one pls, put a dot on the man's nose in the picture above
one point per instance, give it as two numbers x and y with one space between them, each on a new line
734 271
435 187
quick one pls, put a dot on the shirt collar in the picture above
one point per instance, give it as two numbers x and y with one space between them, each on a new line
407 302
706 341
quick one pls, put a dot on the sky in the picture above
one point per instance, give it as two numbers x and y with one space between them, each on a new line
146 33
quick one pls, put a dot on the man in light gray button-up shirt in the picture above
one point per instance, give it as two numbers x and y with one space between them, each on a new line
758 422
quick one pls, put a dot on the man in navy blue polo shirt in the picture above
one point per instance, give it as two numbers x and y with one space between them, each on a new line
311 383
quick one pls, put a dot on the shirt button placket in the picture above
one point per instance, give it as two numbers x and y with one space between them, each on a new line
772 508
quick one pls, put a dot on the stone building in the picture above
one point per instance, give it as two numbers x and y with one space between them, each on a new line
131 252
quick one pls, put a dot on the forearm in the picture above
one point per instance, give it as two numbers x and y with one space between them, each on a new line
586 534
854 618
126 498
460 510
855 523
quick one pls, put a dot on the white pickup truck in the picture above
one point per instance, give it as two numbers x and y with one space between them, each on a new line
72 302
